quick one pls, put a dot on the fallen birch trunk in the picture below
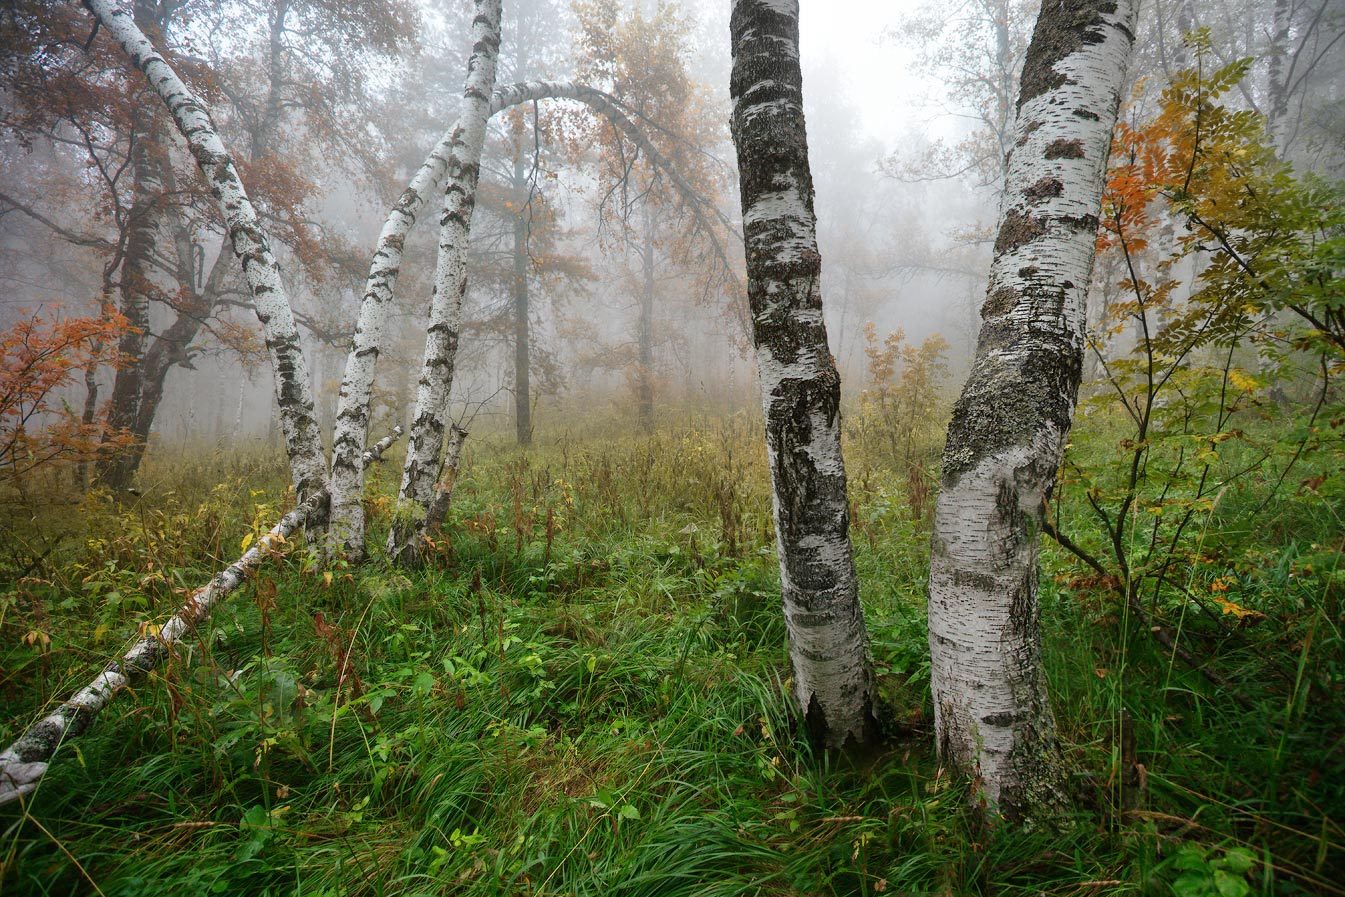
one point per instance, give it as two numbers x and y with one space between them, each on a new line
24 762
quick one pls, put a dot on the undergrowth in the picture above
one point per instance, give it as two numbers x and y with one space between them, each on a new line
584 693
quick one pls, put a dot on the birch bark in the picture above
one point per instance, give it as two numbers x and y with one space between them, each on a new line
303 444
425 441
800 388
352 415
1008 431
24 762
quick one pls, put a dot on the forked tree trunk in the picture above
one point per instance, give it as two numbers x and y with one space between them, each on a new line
425 442
352 416
828 646
1009 427
303 443
172 347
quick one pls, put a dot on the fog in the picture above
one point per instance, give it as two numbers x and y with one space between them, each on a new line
902 101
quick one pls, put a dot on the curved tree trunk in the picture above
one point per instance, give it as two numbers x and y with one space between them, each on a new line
1009 427
352 415
800 388
293 392
425 442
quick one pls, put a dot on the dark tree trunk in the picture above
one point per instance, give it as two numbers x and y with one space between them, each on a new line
117 470
521 310
645 372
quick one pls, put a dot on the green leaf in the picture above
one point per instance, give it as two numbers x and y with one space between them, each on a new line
628 812
423 684
1191 884
1230 885
1190 858
256 817
1239 860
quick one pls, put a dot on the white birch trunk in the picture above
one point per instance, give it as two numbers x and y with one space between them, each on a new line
303 444
24 762
1008 431
800 388
426 438
352 415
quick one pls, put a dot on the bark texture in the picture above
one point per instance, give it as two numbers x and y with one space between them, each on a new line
425 442
828 645
294 396
1009 427
24 762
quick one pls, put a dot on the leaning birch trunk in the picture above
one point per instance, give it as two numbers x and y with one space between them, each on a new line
303 444
352 415
24 762
425 441
1008 431
800 388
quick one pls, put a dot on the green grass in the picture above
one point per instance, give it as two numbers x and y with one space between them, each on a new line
604 712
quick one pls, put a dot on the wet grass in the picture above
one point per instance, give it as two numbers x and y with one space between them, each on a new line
584 693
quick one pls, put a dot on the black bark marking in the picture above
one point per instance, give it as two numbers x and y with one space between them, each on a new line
1027 132
1000 302
1060 31
1065 149
1046 188
1017 230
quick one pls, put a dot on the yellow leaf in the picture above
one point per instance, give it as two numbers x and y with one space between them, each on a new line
247 540
1236 610
1243 381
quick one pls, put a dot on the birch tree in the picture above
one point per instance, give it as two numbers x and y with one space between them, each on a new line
800 388
1008 430
426 438
250 243
352 419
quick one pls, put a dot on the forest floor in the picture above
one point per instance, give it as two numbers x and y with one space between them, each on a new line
584 692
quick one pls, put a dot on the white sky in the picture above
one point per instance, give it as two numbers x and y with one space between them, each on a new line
845 38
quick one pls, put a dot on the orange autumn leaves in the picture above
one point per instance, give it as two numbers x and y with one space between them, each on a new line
40 357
